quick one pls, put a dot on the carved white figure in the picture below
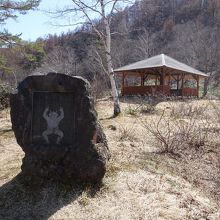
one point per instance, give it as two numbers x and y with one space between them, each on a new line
53 119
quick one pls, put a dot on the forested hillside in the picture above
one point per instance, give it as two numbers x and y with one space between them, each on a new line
186 30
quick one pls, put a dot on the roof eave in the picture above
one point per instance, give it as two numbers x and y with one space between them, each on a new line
135 69
160 66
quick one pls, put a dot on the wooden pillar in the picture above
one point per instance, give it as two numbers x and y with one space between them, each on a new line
142 79
162 77
123 83
182 84
177 83
169 83
182 81
162 80
197 80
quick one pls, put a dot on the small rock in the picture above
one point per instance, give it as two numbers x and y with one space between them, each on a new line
112 127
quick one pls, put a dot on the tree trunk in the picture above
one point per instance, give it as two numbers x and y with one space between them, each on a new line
117 109
205 89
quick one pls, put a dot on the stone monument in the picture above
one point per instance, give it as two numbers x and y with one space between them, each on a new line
55 124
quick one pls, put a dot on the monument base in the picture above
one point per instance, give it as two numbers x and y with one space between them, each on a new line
55 123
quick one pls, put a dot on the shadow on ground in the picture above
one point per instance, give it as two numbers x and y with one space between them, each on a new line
206 180
18 201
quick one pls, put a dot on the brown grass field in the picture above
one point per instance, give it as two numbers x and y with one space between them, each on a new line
142 181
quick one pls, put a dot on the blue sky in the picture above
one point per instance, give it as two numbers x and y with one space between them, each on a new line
36 23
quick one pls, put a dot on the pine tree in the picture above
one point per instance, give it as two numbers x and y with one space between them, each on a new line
11 9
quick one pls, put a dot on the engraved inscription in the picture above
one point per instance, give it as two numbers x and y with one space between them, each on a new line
53 119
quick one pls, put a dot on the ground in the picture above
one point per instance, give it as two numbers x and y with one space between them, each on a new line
141 182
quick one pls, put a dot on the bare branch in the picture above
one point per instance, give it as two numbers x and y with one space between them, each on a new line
101 62
84 6
113 8
83 10
66 25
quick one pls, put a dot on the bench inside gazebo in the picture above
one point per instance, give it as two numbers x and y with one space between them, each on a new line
160 75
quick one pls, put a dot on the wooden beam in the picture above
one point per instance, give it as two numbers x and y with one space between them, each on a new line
195 77
174 77
146 75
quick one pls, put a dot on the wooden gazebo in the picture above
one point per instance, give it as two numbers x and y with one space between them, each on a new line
160 74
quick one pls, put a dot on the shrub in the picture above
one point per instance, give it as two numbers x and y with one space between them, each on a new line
186 109
174 134
126 133
148 109
134 111
4 95
143 105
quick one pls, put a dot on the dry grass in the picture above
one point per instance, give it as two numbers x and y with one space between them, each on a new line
139 184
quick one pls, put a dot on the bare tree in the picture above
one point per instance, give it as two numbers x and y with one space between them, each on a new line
144 46
103 10
61 59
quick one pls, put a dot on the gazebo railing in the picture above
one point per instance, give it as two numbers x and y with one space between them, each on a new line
159 89
146 90
190 92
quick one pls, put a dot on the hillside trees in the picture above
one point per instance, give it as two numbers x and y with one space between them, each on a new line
19 60
10 9
200 46
103 10
33 55
61 59
3 64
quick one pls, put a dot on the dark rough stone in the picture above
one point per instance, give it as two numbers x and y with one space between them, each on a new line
55 123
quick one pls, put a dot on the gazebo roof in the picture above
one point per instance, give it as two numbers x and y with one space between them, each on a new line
160 61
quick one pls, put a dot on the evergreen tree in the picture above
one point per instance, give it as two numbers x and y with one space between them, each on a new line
11 9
